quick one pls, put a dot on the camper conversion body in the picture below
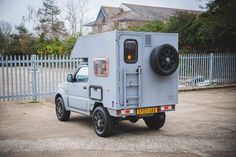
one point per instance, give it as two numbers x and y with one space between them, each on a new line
125 76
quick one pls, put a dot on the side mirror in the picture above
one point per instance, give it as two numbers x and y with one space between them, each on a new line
69 78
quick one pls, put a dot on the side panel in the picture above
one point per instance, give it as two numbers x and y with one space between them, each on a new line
159 90
103 46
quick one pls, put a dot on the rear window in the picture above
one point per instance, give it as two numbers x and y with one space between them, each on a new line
130 51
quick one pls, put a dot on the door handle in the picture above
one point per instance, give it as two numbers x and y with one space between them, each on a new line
84 87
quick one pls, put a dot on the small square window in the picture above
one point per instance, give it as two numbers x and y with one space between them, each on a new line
130 51
101 67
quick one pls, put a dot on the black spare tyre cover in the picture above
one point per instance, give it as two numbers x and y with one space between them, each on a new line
164 60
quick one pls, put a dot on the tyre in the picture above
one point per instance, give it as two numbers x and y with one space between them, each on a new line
164 60
61 112
103 123
156 121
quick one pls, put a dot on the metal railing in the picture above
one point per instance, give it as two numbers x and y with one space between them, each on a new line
36 77
196 70
33 77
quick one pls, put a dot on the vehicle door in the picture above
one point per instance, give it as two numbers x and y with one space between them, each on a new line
131 64
78 90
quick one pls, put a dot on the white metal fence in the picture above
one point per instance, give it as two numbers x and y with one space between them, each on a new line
197 70
31 77
36 77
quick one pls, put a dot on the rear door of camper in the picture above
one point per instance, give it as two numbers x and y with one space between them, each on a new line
130 51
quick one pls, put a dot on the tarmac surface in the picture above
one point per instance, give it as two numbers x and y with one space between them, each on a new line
204 124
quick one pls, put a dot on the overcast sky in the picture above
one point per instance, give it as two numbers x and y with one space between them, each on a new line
12 11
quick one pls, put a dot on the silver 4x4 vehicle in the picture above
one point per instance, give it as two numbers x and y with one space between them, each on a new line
127 76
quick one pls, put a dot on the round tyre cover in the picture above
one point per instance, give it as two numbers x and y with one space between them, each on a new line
164 60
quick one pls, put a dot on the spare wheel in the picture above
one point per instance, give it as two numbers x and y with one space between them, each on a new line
164 60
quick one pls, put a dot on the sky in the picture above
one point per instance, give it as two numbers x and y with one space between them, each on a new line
12 11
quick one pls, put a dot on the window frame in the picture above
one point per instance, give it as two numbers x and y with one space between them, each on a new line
136 55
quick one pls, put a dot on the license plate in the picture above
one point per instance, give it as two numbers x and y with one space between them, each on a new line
147 110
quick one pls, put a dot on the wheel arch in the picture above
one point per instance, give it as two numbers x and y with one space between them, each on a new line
61 93
94 105
57 96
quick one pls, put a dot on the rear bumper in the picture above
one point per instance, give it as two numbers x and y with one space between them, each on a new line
142 112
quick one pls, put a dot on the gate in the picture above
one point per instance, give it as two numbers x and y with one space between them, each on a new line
33 77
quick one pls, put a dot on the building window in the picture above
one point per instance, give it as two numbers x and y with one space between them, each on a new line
122 25
104 28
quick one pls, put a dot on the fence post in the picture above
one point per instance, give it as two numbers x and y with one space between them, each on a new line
211 68
34 73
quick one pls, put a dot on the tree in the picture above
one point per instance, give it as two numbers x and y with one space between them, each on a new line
219 25
5 36
76 12
184 24
69 43
212 31
153 26
32 16
22 41
50 26
55 47
26 40
51 40
5 28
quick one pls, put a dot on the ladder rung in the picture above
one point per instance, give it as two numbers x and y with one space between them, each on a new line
132 97
131 73
131 103
131 85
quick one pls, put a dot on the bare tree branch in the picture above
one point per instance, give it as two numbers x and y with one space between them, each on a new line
76 14
5 28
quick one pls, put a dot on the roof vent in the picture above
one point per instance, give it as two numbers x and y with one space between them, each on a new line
148 40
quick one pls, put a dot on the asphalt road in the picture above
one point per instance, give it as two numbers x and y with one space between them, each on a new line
204 124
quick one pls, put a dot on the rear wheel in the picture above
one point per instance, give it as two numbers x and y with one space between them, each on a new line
156 121
61 112
102 121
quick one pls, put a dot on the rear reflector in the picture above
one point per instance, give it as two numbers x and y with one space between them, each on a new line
166 108
127 111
